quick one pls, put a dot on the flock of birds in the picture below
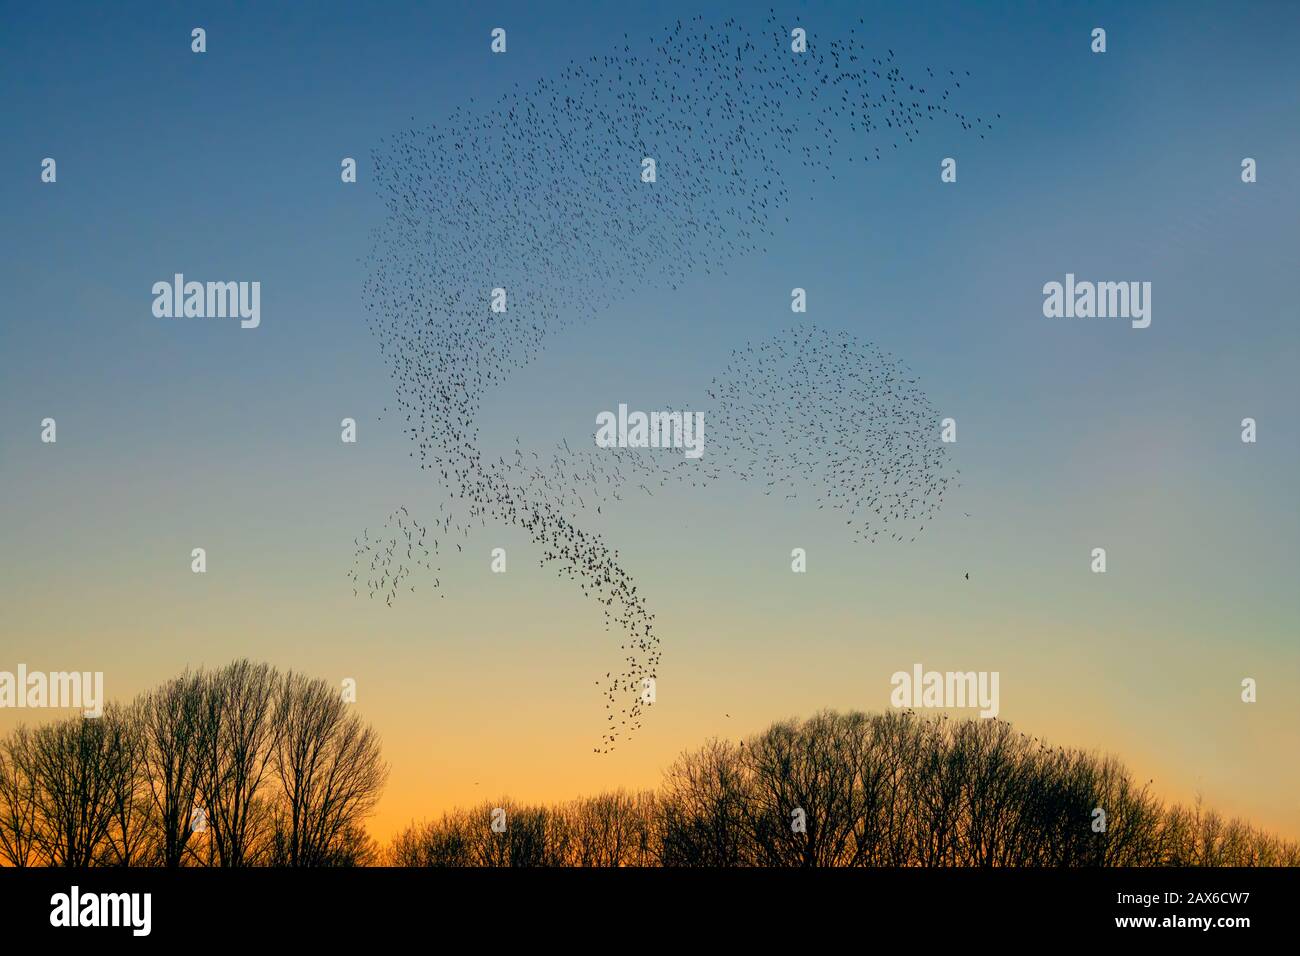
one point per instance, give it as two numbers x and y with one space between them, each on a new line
541 194
818 411
388 570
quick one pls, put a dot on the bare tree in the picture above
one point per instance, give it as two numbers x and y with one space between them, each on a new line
286 773
240 735
807 790
611 829
703 811
523 841
329 768
172 725
18 799
78 767
128 841
446 842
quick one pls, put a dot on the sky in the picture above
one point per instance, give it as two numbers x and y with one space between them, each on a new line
1072 434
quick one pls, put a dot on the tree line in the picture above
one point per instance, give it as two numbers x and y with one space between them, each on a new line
241 766
245 766
855 789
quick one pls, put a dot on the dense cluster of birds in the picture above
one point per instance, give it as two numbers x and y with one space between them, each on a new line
821 413
541 194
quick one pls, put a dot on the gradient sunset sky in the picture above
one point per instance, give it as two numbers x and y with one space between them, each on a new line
1073 434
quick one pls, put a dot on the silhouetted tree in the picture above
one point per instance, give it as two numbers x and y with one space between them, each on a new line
79 770
893 789
283 772
240 739
19 799
128 840
704 811
172 724
329 767
286 773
